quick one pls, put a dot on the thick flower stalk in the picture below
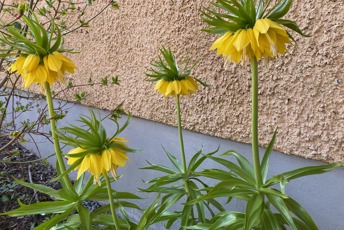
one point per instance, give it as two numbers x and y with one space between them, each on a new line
250 29
102 162
172 80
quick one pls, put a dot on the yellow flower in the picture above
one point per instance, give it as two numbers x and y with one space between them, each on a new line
100 163
266 39
18 65
31 63
177 87
35 70
38 75
271 37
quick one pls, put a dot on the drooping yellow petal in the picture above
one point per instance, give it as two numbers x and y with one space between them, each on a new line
120 139
169 89
67 64
262 25
28 79
31 62
118 157
241 41
219 42
84 166
71 160
184 87
176 87
41 74
18 65
54 63
159 84
96 166
106 160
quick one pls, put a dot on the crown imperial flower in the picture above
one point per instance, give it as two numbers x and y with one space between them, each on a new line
171 79
93 151
41 60
178 87
50 68
250 29
100 163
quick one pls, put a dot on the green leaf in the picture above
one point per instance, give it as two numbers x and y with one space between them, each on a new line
194 163
301 172
186 216
273 192
301 213
58 39
254 210
78 184
243 162
85 216
43 189
160 168
227 219
270 222
48 224
291 25
41 208
235 169
266 157
279 204
225 188
174 161
194 192
280 10
166 179
217 174
155 212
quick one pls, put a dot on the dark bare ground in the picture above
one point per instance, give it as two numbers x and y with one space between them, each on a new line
35 171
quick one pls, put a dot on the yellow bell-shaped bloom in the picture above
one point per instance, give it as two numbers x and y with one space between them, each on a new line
49 69
38 75
100 163
266 39
177 87
271 37
31 62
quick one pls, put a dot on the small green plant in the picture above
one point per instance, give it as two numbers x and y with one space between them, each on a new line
182 183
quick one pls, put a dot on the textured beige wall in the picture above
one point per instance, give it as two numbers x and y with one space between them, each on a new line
301 94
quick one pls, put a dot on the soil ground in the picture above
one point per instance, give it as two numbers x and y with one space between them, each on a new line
32 170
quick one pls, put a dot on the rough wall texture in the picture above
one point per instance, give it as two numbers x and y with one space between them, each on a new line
301 93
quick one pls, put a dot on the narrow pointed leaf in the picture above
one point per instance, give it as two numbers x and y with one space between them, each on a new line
266 157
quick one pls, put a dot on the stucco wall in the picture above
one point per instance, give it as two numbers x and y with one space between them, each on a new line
301 94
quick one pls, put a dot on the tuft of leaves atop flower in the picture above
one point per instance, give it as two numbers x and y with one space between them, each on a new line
166 67
39 41
91 136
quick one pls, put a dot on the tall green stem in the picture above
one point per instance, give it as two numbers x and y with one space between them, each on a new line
112 205
180 133
58 153
254 122
190 195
